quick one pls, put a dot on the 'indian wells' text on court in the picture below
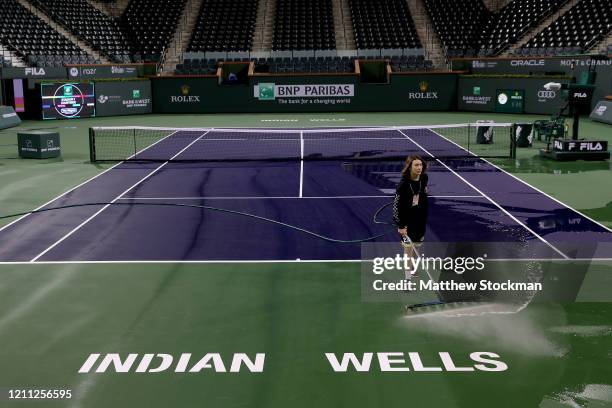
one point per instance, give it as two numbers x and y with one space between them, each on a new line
241 362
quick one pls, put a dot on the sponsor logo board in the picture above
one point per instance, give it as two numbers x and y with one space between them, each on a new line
185 96
424 93
271 91
311 94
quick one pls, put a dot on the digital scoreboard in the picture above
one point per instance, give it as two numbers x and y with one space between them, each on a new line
509 100
68 100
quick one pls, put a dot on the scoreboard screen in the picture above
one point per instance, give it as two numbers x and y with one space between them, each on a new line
68 100
509 100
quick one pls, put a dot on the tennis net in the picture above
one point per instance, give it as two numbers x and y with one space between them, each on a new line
372 143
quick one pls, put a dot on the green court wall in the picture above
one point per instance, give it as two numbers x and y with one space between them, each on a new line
477 93
424 92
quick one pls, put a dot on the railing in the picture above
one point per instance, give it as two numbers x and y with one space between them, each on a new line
13 51
592 43
247 55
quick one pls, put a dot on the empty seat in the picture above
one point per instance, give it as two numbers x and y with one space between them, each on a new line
304 25
577 30
99 31
150 25
32 39
383 24
224 25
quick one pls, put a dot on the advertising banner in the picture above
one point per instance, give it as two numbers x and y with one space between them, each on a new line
511 66
479 94
476 95
34 73
528 65
266 91
565 145
102 71
573 67
123 98
305 94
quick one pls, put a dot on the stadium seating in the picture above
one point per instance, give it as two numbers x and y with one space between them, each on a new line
151 25
465 28
85 21
304 25
513 21
586 23
224 25
383 24
197 66
304 65
34 40
458 24
274 65
410 63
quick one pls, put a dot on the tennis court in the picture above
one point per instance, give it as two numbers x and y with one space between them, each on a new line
298 204
143 275
281 195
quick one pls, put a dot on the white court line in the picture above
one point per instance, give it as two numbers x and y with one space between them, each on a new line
82 184
115 199
256 139
488 198
351 138
301 164
275 261
222 140
524 182
288 198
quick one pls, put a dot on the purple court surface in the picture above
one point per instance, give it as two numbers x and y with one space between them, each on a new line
152 211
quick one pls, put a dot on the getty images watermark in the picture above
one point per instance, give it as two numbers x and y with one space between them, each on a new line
417 266
507 271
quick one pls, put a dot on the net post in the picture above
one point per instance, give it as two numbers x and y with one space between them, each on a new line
134 139
513 141
92 145
469 137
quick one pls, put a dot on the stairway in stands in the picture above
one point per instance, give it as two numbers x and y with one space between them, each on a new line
343 25
114 9
495 5
106 8
62 30
264 26
180 41
429 39
603 46
11 57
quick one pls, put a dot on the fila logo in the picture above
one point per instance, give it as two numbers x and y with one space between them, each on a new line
35 71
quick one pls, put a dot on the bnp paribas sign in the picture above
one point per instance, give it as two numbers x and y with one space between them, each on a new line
270 91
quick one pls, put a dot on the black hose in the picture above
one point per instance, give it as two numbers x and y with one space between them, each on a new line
224 210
